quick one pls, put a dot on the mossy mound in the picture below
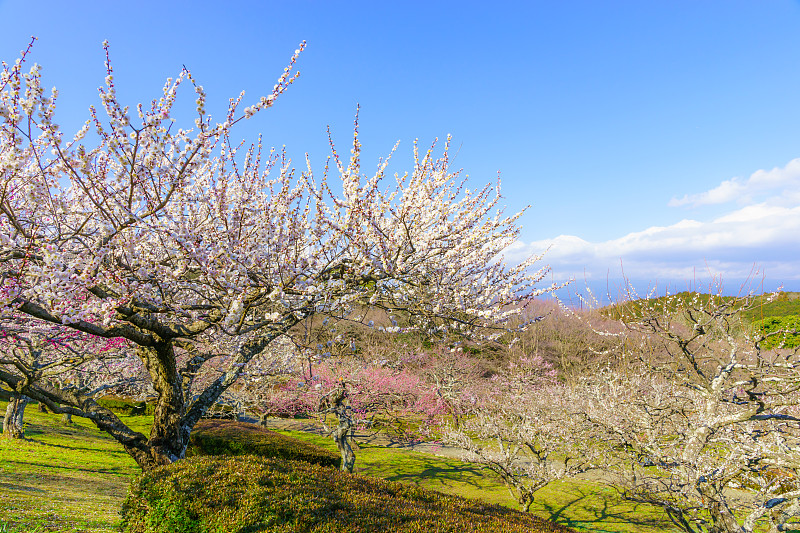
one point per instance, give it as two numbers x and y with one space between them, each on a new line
251 494
224 437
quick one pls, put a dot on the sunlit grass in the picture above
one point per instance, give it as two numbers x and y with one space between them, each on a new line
74 479
63 478
580 505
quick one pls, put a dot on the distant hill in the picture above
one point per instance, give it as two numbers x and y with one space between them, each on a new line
786 304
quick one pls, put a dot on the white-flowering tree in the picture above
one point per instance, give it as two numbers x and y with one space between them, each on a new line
701 420
522 426
197 249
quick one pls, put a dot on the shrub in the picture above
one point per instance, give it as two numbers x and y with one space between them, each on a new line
223 437
253 494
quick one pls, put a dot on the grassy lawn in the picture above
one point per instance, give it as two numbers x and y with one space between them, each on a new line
63 478
74 478
580 505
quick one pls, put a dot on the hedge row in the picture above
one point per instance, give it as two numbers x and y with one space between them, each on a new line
251 494
223 437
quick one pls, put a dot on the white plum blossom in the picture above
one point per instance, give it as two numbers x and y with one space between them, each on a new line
193 246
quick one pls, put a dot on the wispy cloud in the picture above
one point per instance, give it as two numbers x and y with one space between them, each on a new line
762 228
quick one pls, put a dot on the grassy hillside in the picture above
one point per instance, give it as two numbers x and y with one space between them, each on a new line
74 479
787 303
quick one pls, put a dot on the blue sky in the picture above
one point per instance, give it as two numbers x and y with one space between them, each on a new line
660 136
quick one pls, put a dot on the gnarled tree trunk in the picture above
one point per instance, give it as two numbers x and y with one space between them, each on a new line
343 433
13 422
723 519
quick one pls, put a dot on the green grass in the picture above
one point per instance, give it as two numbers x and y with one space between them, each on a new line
580 505
63 478
74 479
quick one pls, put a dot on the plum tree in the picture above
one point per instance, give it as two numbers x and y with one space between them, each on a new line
68 359
200 251
700 418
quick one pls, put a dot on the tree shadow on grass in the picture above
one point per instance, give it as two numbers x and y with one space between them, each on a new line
74 448
434 473
72 431
601 510
117 471
23 488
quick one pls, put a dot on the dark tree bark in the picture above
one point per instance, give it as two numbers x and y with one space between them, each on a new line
723 518
175 412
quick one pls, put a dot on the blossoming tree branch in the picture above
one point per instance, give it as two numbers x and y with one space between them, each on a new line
197 249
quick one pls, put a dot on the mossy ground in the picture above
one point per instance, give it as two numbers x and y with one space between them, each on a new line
75 478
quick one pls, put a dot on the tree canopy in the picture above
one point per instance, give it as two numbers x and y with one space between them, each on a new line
200 251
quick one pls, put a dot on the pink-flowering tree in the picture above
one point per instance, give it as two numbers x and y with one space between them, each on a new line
53 355
200 250
699 418
455 379
363 395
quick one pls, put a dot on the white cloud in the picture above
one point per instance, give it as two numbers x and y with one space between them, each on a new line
762 229
757 187
768 236
727 191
